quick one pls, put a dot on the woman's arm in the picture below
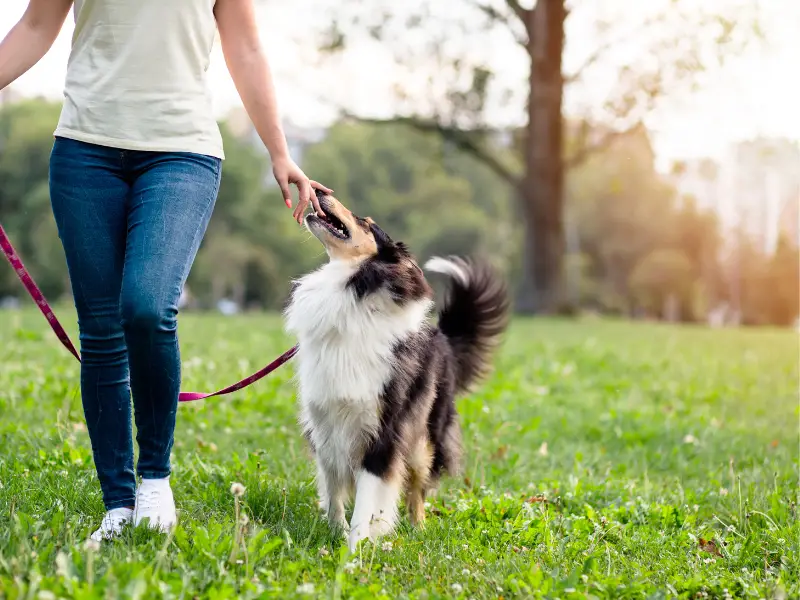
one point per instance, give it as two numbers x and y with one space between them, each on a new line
31 38
252 77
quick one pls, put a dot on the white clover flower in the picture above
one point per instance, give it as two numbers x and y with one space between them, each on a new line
305 588
465 572
543 449
457 588
386 546
350 566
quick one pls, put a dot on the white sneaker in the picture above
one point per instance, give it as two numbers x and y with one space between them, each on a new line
112 524
154 501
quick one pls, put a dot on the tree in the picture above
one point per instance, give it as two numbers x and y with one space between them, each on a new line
449 84
661 276
26 138
436 200
622 211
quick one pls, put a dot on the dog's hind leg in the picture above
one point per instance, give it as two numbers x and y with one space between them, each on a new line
419 470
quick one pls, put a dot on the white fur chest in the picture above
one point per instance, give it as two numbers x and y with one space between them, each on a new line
345 357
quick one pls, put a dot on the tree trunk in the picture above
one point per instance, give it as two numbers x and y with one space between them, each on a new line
541 192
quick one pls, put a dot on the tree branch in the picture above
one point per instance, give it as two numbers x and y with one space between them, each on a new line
496 16
601 50
464 140
522 13
587 149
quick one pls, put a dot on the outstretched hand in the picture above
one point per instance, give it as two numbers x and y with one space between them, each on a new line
287 173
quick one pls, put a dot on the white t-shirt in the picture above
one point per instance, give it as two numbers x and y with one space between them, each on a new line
136 77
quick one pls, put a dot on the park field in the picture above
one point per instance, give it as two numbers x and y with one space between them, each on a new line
604 460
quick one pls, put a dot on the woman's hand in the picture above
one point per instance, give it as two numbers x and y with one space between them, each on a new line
287 173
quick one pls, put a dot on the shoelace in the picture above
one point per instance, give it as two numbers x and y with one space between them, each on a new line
111 521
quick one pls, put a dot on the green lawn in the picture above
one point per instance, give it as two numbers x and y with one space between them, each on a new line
599 454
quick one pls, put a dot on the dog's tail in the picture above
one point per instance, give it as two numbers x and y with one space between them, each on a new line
474 314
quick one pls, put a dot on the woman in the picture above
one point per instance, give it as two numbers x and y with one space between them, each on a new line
134 174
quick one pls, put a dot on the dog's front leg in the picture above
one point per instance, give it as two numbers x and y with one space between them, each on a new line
375 511
332 495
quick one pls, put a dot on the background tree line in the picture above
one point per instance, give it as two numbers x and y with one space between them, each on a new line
633 247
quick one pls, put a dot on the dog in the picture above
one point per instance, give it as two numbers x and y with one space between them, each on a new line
376 378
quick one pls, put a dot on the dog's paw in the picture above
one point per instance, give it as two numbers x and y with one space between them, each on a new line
341 526
357 533
379 527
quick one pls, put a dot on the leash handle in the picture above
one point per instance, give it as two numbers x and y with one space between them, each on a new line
55 325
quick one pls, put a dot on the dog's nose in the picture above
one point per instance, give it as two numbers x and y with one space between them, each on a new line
320 194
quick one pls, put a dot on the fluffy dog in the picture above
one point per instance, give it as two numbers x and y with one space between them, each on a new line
377 380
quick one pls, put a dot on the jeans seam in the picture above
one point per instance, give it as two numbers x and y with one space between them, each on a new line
208 209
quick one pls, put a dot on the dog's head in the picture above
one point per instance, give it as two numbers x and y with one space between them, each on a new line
345 236
380 262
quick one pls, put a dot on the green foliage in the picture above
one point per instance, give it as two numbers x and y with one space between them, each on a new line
432 195
599 454
622 211
417 188
660 275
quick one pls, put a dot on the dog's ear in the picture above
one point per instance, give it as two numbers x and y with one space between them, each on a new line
392 267
389 251
402 250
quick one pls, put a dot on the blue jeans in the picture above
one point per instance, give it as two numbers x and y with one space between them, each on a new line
131 224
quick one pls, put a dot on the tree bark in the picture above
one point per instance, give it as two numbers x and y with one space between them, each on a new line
542 189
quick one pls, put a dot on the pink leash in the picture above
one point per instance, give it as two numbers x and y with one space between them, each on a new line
38 297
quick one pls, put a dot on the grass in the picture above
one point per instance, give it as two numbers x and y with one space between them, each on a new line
605 460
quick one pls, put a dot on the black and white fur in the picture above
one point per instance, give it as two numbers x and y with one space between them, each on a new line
377 380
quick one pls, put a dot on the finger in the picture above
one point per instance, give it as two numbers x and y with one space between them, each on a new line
318 186
306 188
286 191
301 208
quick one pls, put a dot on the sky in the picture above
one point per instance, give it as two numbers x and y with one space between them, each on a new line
756 94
